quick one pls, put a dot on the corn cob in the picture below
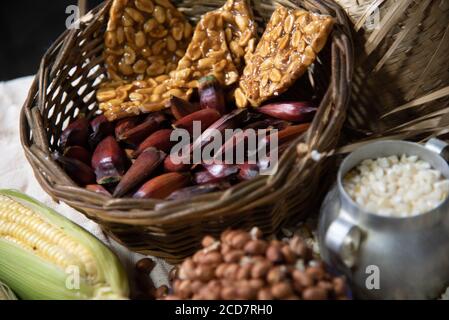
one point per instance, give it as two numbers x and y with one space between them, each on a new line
45 256
6 293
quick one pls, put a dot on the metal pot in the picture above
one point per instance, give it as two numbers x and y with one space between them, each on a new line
387 257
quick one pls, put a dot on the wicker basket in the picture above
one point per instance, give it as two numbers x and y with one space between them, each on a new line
69 74
401 79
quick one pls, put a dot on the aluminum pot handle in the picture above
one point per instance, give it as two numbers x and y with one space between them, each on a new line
343 238
438 146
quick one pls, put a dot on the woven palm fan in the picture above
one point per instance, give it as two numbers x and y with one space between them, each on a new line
65 86
401 80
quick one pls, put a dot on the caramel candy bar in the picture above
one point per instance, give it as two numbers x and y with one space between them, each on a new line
144 38
288 47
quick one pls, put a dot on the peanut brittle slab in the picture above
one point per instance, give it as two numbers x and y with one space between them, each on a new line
207 54
287 48
144 38
220 41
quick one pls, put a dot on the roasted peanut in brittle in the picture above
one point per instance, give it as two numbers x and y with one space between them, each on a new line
288 47
119 99
144 38
240 29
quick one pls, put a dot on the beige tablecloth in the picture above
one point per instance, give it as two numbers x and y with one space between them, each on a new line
16 173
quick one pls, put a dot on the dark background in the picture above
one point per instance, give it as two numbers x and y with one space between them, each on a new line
27 29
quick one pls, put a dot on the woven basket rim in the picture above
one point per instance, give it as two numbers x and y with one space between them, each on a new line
154 212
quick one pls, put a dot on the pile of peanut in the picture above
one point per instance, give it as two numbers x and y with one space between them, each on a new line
244 266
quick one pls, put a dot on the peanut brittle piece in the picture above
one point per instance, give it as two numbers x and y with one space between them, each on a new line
111 98
287 48
240 29
207 54
220 41
144 38
120 99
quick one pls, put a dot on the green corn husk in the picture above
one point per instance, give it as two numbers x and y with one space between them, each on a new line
6 293
45 256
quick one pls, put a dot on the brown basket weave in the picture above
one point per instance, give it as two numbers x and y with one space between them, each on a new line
401 77
65 85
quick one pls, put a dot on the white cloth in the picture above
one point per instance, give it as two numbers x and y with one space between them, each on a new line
16 173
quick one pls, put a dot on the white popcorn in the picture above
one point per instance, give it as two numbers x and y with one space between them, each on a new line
442 185
396 186
383 162
393 159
